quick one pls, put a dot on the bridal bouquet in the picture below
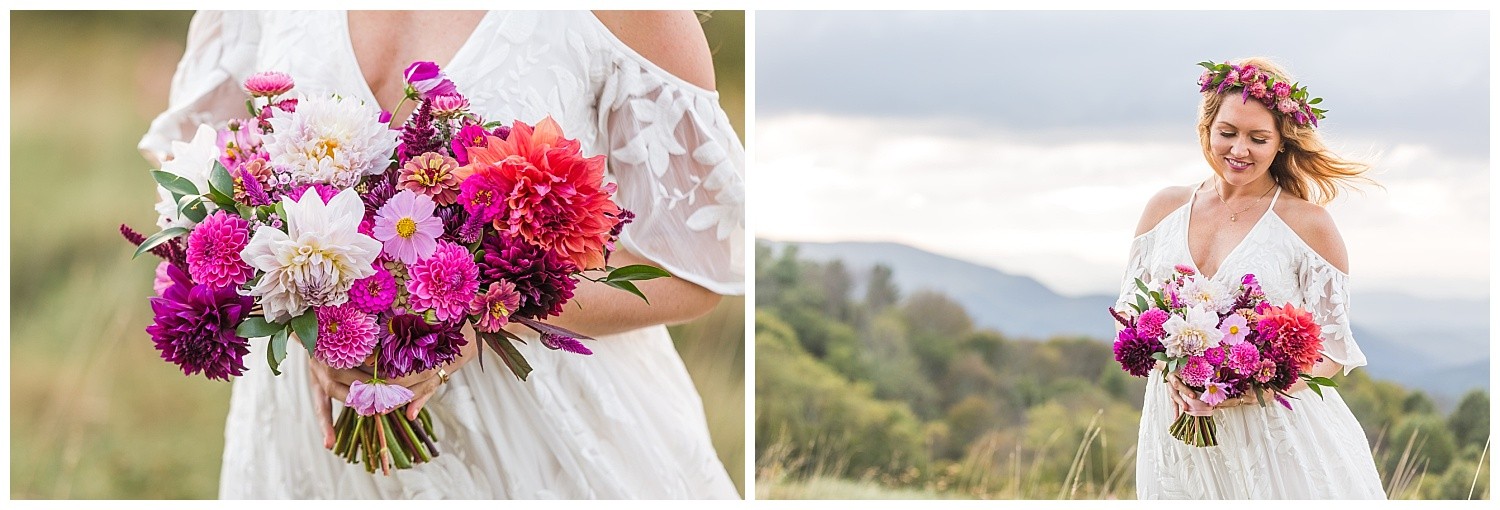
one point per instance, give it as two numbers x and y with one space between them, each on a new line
1221 342
374 246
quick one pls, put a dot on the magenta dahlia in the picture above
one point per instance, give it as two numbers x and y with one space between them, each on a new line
1243 359
1148 325
213 251
1134 352
375 293
194 327
346 335
409 345
444 282
1196 372
542 278
268 84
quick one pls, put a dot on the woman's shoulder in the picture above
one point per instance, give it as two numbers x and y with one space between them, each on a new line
671 40
1314 225
1162 204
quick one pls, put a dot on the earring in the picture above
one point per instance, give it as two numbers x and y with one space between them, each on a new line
1283 149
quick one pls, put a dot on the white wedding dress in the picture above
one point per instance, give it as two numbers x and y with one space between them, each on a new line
625 422
1316 450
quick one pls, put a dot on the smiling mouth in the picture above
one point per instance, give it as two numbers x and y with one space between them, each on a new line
1236 164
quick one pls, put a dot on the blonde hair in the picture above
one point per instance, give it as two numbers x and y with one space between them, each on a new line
1307 168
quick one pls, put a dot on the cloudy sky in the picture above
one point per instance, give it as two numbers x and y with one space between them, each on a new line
1030 141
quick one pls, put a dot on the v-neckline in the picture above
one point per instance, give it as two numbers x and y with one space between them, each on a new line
359 72
1188 226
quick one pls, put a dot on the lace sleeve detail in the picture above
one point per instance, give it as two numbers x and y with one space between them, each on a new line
680 169
1135 268
1326 293
205 88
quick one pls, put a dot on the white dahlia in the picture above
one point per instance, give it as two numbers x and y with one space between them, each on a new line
316 260
192 161
1207 294
331 141
1193 334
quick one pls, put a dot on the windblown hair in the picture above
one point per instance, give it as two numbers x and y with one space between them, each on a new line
1307 169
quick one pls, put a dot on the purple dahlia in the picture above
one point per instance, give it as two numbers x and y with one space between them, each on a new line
542 278
410 345
194 327
1134 352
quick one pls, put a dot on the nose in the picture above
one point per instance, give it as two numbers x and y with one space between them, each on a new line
1239 149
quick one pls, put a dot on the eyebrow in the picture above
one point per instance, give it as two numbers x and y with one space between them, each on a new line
1266 131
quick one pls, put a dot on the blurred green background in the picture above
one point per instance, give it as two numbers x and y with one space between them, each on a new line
95 413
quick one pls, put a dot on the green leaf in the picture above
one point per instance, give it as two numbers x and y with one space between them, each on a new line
194 210
1141 300
276 351
1324 381
1316 389
508 353
636 272
629 287
306 327
1141 285
1137 308
175 183
1159 356
219 180
1315 100
158 238
256 327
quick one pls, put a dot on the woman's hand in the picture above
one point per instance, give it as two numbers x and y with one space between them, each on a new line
328 384
424 384
1185 398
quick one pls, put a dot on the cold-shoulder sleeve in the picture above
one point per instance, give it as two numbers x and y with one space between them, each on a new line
1326 292
206 86
680 169
1135 268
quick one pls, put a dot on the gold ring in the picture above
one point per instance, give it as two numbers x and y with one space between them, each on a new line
442 376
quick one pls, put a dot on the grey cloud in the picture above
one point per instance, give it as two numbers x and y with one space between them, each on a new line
1391 77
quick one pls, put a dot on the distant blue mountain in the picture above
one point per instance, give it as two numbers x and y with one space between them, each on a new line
1439 346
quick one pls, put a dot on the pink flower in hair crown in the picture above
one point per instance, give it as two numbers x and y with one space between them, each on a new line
1287 99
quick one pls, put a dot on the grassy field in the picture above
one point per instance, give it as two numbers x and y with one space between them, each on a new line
94 412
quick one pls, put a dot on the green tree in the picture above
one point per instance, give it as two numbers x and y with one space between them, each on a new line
881 291
1470 422
1430 440
1418 403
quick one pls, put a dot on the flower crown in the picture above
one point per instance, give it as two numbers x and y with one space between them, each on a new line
1254 83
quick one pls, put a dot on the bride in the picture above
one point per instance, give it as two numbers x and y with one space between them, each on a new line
1258 213
623 423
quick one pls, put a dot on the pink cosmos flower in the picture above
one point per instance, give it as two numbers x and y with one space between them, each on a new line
444 282
237 144
213 251
495 305
370 399
268 84
407 227
435 175
428 80
346 335
1235 327
1213 393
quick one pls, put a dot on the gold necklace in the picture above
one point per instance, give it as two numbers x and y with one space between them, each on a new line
1234 215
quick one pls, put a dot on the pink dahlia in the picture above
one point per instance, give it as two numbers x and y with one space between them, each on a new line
375 293
1148 325
346 335
268 84
1244 359
1184 269
1293 331
1196 372
434 175
213 251
407 228
448 106
495 305
444 282
1214 355
552 196
1281 90
370 399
